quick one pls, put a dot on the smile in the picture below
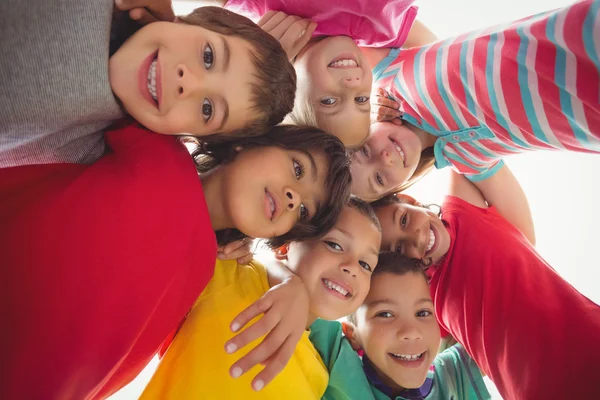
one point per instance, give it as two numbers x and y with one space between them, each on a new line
337 288
152 81
432 243
399 151
270 205
344 63
407 357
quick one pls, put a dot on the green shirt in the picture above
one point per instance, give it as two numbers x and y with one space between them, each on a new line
454 376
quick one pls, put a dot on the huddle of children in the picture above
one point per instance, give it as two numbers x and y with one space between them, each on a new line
115 243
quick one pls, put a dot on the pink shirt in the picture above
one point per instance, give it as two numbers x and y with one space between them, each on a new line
373 23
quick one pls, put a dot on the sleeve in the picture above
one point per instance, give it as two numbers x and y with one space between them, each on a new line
347 379
458 374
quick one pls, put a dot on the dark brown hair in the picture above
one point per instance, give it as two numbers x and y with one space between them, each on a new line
393 263
273 95
365 209
290 137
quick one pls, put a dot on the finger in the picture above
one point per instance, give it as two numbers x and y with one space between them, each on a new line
397 121
382 92
291 37
127 4
279 31
242 251
274 21
308 27
384 101
142 16
246 259
275 364
260 306
230 247
260 328
269 346
265 18
388 113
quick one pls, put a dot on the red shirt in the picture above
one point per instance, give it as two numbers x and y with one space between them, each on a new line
99 263
529 330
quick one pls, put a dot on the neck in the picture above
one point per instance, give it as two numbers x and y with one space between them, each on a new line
427 139
310 320
212 183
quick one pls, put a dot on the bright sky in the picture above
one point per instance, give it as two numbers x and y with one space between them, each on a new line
560 186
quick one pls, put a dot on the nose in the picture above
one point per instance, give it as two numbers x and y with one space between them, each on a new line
409 330
187 82
292 199
351 82
350 267
416 243
386 158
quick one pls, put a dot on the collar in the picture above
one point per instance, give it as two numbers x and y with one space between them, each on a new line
408 394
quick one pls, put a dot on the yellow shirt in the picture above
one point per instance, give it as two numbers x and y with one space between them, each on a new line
196 365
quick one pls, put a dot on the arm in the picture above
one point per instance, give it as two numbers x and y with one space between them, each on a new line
419 35
501 190
284 310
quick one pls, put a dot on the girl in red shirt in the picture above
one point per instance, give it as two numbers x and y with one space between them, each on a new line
528 329
100 262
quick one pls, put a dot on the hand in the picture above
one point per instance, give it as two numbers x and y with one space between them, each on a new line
239 249
385 109
285 313
292 32
147 11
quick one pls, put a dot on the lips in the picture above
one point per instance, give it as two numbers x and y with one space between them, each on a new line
337 288
409 360
399 150
271 205
345 60
149 79
432 243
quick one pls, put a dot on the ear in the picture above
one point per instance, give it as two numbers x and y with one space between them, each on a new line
281 252
350 333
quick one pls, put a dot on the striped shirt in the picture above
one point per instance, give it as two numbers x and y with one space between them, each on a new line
528 85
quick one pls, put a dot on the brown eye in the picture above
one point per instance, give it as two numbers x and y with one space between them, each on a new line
207 57
207 110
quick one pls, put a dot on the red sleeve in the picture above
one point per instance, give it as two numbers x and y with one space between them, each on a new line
100 263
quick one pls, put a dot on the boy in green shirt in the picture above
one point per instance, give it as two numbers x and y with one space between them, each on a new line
396 330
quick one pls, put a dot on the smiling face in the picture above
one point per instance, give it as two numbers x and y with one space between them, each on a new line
388 159
266 190
335 79
176 78
336 269
397 329
413 231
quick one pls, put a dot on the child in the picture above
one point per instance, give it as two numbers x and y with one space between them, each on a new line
397 331
334 78
102 261
336 272
213 72
471 100
530 331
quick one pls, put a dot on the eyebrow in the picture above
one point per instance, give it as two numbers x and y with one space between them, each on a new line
382 301
226 55
424 300
225 114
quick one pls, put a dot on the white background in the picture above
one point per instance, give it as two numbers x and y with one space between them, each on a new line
563 188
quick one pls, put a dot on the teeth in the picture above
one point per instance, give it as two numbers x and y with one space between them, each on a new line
344 63
431 240
408 357
336 287
152 81
399 150
272 204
